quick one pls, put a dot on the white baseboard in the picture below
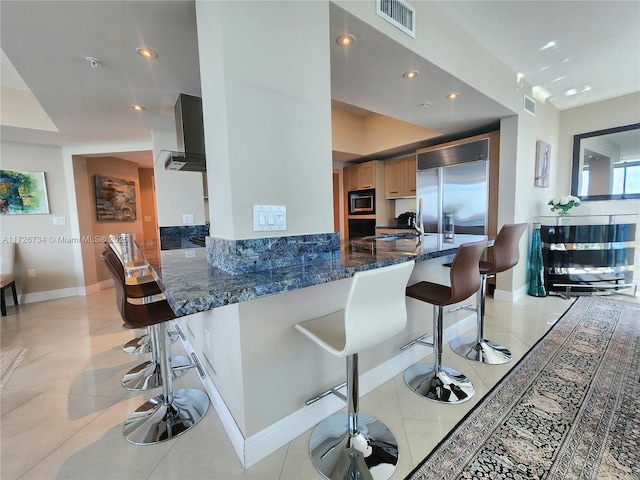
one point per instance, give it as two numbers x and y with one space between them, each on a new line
254 448
47 295
510 297
24 298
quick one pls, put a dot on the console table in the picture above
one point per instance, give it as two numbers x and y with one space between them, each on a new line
588 254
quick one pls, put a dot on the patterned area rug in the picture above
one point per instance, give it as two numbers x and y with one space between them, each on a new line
569 409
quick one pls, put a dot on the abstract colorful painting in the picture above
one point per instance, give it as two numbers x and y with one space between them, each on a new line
115 199
23 193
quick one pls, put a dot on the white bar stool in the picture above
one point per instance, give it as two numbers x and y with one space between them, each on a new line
356 445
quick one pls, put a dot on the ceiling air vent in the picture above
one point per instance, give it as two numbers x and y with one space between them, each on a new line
399 14
529 105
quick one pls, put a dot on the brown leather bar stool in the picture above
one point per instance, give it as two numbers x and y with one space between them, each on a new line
173 412
147 374
148 288
437 382
506 254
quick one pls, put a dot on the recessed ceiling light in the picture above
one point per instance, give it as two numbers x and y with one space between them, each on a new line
410 74
146 53
137 108
540 93
548 45
452 96
571 92
558 79
346 40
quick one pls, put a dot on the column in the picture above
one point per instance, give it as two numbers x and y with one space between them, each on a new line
266 92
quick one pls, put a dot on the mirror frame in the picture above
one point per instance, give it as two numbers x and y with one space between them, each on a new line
575 167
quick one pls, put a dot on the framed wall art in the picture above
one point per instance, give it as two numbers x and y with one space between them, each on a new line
23 193
543 158
115 199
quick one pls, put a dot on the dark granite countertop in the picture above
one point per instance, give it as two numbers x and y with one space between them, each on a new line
193 285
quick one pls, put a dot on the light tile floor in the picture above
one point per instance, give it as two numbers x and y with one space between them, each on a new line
63 407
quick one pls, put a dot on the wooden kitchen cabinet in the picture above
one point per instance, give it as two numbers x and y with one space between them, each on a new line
367 175
400 177
351 177
361 176
411 173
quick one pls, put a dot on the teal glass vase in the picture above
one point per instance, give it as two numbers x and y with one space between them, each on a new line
535 266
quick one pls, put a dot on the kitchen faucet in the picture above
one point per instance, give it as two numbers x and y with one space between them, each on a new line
417 225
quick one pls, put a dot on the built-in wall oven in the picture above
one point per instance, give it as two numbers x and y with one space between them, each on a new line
362 213
361 227
362 202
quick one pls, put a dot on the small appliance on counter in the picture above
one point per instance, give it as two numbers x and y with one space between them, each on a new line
405 219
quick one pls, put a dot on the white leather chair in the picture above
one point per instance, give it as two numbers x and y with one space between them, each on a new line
7 275
352 444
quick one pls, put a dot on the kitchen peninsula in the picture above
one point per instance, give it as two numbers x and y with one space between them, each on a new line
260 370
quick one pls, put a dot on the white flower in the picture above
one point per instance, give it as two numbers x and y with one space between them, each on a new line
563 203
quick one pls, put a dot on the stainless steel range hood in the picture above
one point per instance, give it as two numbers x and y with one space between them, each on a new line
190 156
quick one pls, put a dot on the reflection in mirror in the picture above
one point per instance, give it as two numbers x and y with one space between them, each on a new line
606 164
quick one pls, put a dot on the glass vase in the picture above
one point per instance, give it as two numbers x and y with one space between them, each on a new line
535 266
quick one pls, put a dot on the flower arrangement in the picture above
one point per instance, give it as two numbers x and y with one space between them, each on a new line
563 204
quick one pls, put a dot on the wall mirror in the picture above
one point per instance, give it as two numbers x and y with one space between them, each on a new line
606 164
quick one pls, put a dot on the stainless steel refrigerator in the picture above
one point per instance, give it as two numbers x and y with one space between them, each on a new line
452 189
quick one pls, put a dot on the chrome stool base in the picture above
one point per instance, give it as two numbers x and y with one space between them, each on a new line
154 421
443 386
143 344
147 375
138 345
371 454
482 352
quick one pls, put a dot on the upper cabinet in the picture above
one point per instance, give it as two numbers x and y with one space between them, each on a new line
361 176
400 177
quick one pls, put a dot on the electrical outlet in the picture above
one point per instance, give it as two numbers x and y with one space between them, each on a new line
31 272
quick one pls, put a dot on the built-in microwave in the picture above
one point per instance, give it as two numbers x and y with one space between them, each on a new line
362 202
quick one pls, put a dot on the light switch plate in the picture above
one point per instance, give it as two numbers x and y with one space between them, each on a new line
269 218
187 219
59 220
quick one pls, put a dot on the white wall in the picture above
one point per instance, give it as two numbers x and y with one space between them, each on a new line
267 113
39 247
177 193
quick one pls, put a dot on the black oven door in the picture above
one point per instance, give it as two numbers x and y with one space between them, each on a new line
361 227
